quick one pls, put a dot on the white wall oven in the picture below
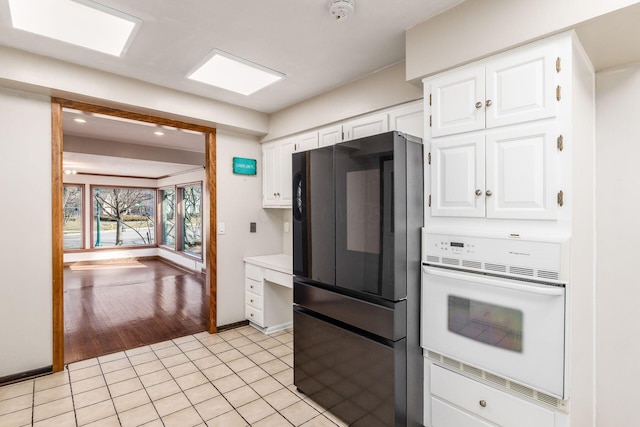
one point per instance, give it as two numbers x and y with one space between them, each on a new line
496 303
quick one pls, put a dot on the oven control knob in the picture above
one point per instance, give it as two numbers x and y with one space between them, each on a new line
483 403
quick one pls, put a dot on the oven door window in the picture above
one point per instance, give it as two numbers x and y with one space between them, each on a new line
487 323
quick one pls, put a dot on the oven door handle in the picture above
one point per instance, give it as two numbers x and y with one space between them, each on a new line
514 284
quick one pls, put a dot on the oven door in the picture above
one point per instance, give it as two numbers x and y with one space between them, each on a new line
510 328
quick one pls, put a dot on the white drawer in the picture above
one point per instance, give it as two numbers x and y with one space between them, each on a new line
445 415
254 315
251 285
253 272
253 300
487 402
283 279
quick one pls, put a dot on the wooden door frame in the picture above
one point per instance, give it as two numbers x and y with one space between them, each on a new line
57 104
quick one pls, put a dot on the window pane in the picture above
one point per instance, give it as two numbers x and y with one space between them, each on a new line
488 323
72 216
192 219
168 222
123 216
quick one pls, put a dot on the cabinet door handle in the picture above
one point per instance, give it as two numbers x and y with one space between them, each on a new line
482 403
488 103
252 316
251 300
478 104
489 193
478 192
251 286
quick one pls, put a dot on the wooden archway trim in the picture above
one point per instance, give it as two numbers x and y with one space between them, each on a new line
57 104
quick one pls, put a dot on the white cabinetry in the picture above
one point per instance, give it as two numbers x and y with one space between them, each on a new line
268 284
458 401
305 141
330 135
506 173
276 173
516 88
366 126
495 128
408 119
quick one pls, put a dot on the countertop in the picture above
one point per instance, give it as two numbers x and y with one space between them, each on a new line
278 262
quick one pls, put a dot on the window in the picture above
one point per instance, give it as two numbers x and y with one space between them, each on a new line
72 214
123 216
191 221
168 217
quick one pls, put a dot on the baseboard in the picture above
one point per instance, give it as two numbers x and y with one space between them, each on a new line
25 375
233 325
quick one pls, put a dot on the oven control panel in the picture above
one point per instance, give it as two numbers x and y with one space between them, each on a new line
532 256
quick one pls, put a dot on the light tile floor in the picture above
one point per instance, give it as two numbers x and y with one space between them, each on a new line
238 377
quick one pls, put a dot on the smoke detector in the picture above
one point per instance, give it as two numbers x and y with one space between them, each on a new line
342 9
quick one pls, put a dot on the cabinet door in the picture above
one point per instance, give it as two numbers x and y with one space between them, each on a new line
521 87
457 176
306 141
285 184
366 126
408 119
445 415
270 167
521 173
457 102
330 136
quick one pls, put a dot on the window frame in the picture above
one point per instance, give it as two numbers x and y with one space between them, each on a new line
180 218
159 219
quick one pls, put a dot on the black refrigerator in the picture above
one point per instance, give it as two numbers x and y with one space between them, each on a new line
357 215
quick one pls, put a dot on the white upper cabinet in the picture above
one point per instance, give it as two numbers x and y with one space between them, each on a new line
522 87
457 176
500 174
306 141
408 119
276 173
457 102
330 135
514 88
366 126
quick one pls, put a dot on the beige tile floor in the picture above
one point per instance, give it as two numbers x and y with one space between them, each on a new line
239 377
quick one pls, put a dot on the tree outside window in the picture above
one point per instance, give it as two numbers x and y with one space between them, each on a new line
192 219
168 217
72 214
123 216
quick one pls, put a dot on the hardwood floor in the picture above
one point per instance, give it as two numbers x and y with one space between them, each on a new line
115 306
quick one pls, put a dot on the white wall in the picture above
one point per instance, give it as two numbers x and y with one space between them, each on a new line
384 88
618 231
25 253
239 203
479 28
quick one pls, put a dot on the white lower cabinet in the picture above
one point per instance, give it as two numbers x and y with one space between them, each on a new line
268 294
458 401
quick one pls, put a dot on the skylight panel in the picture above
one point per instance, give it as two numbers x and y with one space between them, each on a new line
79 22
229 72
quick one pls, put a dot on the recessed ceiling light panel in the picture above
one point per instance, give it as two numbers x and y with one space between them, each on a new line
229 72
79 22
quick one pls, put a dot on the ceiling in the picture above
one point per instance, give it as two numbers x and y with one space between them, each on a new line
299 38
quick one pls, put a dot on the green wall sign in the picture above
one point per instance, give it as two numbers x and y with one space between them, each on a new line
244 166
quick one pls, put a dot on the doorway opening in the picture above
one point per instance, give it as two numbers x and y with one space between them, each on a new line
139 231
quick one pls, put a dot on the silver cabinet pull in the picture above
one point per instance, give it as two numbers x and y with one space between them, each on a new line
483 403
478 104
478 192
488 103
489 193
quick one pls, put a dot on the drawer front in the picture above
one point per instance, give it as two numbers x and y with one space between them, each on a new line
253 272
253 300
487 402
445 415
253 286
279 278
254 315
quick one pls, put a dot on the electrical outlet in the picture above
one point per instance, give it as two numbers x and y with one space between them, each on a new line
221 229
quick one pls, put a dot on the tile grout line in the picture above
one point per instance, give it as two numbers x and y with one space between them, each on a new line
108 389
73 402
143 386
33 402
